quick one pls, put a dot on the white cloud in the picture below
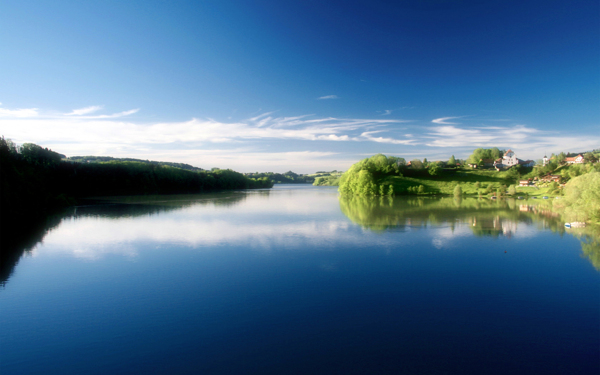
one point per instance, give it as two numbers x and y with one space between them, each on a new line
19 112
368 136
328 97
444 120
84 111
120 114
269 142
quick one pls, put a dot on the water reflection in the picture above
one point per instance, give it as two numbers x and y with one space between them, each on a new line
311 219
484 217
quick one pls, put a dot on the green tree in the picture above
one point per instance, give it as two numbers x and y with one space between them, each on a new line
582 197
512 190
452 161
421 189
434 169
457 191
588 157
416 164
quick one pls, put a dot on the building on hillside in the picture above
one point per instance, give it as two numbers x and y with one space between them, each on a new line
550 178
574 159
488 162
525 183
545 161
509 159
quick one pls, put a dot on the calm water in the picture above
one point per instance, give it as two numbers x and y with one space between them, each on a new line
295 280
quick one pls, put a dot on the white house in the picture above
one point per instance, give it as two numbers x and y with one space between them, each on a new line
509 159
575 159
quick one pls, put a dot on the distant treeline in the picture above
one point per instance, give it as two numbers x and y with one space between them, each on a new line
288 177
33 179
101 159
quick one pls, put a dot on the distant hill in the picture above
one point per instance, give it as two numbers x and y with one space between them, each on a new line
101 159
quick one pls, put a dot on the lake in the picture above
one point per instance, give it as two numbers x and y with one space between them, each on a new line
296 280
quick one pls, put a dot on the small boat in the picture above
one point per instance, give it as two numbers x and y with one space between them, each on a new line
575 224
567 225
519 197
545 197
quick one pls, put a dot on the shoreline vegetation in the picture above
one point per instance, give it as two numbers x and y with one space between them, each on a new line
380 175
35 181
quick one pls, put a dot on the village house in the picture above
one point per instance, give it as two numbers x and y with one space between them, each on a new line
550 178
510 160
525 182
575 159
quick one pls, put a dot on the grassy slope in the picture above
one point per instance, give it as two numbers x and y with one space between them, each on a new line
466 178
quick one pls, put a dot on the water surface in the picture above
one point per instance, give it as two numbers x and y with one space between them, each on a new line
295 280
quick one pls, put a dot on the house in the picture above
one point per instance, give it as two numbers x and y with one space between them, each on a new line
575 159
550 178
509 159
524 182
488 162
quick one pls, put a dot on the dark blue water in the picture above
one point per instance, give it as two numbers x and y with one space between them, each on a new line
293 281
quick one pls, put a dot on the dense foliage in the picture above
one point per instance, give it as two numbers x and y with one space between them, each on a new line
288 177
484 153
33 178
364 177
101 159
582 198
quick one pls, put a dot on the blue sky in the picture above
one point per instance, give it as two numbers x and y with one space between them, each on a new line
306 86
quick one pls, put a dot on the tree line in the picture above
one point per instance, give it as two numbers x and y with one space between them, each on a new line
33 178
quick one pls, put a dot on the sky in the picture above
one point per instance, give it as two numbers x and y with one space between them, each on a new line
300 85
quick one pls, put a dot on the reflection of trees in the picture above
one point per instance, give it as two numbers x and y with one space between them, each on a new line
384 213
18 238
143 205
484 217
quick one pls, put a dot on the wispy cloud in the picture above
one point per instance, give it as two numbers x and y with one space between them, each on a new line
18 112
84 111
387 112
369 136
244 143
444 120
120 114
328 97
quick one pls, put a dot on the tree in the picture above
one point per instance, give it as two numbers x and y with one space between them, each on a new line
452 161
434 169
416 164
495 153
477 185
588 157
364 177
512 190
421 189
582 197
457 191
561 158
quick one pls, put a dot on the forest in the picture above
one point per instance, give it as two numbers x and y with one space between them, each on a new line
34 179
